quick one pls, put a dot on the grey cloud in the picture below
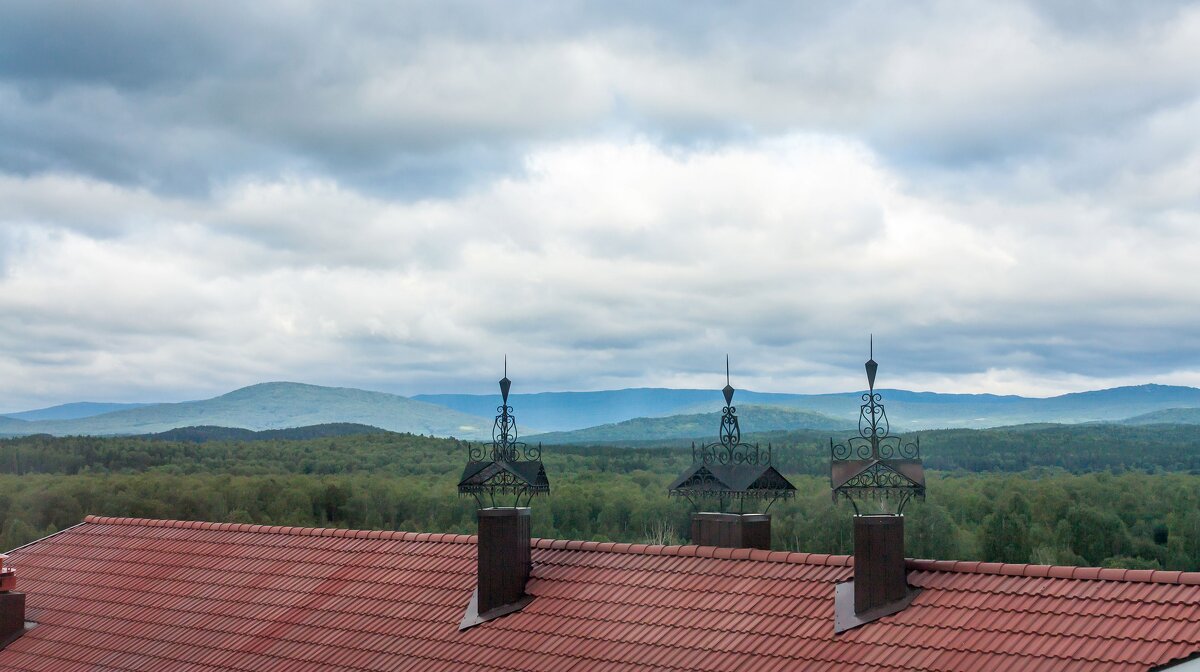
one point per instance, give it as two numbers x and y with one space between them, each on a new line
396 196
184 97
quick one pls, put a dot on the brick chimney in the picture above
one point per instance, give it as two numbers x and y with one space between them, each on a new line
880 586
875 467
509 468
12 606
879 575
504 559
732 530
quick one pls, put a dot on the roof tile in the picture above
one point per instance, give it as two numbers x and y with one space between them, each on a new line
203 597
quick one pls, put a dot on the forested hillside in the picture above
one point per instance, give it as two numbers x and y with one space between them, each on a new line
696 425
1122 515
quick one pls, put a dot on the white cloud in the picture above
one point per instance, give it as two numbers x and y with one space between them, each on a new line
614 196
625 263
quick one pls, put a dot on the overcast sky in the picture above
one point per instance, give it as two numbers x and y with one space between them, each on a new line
196 197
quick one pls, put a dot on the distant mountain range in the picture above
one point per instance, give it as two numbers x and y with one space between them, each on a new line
271 406
613 415
567 411
73 411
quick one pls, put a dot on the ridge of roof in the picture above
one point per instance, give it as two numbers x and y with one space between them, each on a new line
1056 571
437 537
793 557
451 538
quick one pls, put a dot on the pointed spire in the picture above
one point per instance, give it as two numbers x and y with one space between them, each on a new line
505 383
728 391
872 365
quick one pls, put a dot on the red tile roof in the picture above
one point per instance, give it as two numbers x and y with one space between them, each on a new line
133 594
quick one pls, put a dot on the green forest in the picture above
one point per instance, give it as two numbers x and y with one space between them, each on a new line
1088 495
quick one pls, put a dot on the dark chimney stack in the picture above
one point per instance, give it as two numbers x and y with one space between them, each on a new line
507 468
880 586
504 558
875 467
12 606
879 575
732 530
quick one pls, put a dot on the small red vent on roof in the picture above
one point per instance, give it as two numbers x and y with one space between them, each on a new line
12 606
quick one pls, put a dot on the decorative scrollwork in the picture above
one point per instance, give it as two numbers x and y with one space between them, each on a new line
507 466
730 449
872 419
885 448
874 440
500 484
504 446
705 489
877 478
732 454
880 497
745 468
504 435
876 458
731 432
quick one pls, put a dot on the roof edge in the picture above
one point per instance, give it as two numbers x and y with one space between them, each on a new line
438 537
39 540
1056 571
450 538
688 551
693 551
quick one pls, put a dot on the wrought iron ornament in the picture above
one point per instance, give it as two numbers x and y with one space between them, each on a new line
730 471
729 448
506 466
875 464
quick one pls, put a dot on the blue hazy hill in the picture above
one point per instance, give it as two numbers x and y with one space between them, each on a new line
1167 416
72 411
568 411
282 405
701 426
273 406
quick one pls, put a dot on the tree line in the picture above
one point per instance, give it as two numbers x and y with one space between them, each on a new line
1131 518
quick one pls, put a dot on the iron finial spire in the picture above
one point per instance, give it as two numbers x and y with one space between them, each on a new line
728 391
505 383
872 365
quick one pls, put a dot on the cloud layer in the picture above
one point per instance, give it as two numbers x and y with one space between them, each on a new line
394 197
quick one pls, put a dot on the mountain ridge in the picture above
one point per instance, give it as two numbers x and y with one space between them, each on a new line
272 405
698 426
279 405
569 411
71 411
1166 416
